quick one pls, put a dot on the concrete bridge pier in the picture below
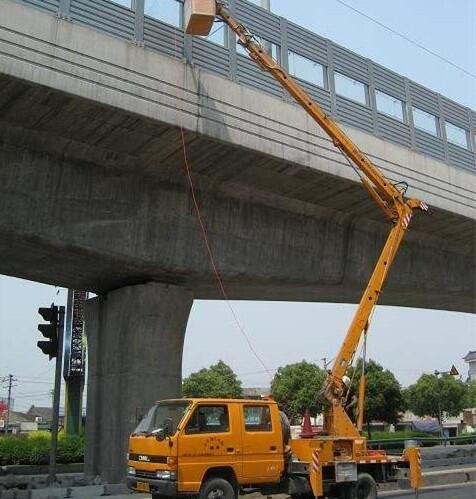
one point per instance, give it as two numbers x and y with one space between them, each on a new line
135 340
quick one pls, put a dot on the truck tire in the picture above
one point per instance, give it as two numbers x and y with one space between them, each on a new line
285 428
345 491
365 487
217 488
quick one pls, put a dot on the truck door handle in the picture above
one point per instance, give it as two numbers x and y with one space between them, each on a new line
230 450
273 448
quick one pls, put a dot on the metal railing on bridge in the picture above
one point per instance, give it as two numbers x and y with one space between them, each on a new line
354 89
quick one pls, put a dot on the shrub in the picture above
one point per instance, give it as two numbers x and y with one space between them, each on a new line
396 435
71 449
35 449
39 434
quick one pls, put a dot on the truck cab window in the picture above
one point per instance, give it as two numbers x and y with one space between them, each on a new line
257 418
209 419
159 413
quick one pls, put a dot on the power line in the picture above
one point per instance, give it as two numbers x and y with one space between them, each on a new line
275 369
407 38
39 376
211 257
328 362
29 381
35 395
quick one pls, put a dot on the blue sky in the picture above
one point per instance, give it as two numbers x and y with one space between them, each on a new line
447 28
408 341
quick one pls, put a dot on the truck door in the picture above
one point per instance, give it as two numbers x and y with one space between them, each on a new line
211 438
263 459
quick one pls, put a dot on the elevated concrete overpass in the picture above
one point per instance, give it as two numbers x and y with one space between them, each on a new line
94 195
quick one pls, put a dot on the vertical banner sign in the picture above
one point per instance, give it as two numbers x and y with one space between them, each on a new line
74 352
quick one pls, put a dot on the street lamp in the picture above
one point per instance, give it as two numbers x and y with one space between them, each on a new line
439 374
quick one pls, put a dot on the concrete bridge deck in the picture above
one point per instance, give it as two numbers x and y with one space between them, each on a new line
93 196
91 141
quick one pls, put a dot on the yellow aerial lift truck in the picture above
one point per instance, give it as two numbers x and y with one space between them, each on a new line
214 448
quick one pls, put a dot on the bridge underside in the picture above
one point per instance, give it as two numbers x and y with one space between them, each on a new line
96 198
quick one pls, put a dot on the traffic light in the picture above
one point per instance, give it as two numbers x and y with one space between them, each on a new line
50 330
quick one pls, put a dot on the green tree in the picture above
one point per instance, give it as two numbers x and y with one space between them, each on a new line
384 399
217 381
296 387
431 395
470 399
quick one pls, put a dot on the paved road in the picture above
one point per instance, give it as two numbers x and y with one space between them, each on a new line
466 491
463 491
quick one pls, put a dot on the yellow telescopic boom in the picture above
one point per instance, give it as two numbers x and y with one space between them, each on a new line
199 18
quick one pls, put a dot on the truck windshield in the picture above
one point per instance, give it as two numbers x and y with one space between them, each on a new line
154 419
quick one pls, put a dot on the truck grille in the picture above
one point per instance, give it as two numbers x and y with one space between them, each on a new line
145 474
148 458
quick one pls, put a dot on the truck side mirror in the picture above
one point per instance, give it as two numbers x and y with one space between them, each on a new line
168 427
159 434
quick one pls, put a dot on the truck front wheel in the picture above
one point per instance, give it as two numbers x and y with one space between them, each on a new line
217 488
365 487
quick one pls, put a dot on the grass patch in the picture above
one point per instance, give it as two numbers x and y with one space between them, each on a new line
397 435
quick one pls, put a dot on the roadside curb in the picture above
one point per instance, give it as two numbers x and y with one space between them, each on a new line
447 477
86 492
435 478
430 479
40 469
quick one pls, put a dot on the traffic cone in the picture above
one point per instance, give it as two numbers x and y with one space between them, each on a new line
306 427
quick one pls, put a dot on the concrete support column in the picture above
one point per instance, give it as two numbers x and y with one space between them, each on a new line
135 342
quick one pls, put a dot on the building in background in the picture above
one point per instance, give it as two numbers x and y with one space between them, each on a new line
4 404
255 393
471 360
19 422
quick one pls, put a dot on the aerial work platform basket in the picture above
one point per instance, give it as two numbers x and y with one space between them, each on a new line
199 16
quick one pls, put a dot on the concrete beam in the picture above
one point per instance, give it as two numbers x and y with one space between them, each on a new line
94 197
135 343
88 64
71 223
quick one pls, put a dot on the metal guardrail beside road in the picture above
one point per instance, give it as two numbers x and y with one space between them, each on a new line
422 441
437 452
354 89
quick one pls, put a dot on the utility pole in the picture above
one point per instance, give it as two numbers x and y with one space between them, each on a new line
56 399
325 363
10 379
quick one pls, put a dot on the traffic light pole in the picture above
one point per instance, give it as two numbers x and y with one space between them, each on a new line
56 399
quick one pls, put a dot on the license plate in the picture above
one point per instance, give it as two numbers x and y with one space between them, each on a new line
346 472
143 486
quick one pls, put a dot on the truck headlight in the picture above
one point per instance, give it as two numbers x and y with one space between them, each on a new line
166 475
131 470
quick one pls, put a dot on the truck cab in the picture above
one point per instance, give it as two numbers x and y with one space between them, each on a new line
209 447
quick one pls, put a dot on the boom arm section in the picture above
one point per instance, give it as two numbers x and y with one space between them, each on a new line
387 196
